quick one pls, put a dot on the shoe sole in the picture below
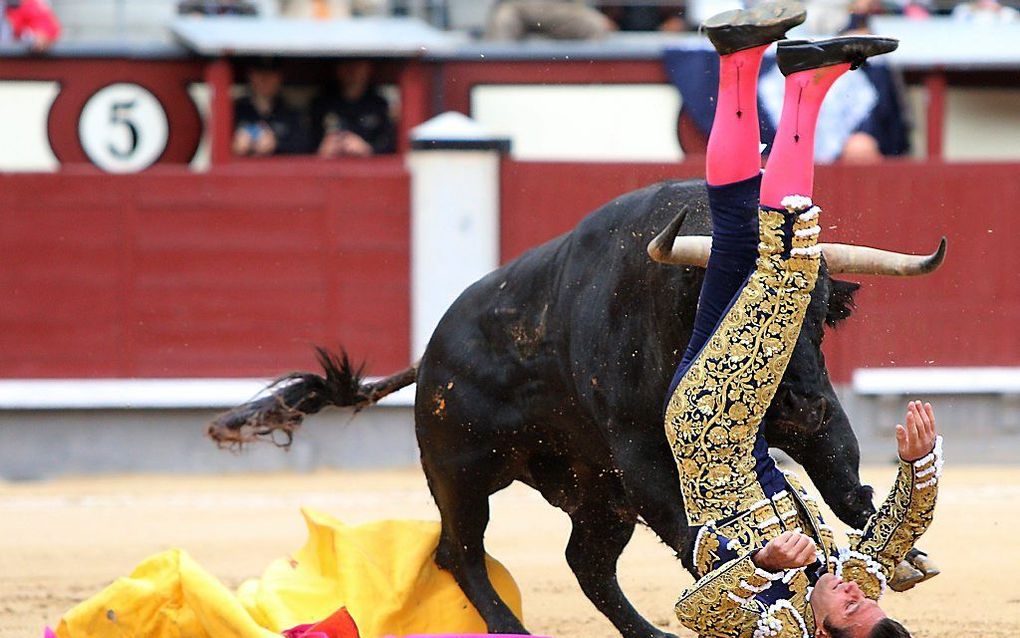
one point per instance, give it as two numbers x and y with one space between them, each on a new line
763 24
875 45
765 14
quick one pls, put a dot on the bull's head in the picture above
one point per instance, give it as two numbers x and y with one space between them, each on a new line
806 419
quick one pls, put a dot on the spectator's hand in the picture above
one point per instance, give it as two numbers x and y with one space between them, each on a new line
37 42
673 24
917 437
861 148
330 145
354 144
41 43
789 550
265 144
242 142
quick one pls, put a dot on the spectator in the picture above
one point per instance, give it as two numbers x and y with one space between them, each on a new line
985 12
512 20
648 17
353 118
217 8
264 123
859 19
862 120
917 9
331 9
29 21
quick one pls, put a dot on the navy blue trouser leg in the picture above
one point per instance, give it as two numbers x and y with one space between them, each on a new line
734 211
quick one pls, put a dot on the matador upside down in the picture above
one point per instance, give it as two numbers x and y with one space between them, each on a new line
769 565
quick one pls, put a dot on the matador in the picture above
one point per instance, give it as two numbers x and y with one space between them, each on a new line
768 564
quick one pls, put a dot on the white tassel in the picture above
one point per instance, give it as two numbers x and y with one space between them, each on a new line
796 202
761 573
810 251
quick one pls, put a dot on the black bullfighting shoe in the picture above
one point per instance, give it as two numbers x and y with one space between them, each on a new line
801 55
740 29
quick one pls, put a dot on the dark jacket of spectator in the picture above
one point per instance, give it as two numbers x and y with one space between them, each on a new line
284 121
641 17
367 116
217 8
30 21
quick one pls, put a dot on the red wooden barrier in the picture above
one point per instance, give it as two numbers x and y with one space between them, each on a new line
173 274
236 272
966 314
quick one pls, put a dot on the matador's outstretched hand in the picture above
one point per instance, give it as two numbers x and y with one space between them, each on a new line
917 438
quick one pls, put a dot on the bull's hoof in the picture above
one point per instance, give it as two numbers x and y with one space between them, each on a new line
905 576
925 565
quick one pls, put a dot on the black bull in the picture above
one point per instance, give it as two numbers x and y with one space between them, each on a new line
552 371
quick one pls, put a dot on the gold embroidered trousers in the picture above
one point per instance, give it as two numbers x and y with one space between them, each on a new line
713 415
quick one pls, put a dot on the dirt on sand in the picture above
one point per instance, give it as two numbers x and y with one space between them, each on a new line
62 541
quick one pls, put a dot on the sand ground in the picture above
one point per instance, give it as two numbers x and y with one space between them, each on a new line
61 541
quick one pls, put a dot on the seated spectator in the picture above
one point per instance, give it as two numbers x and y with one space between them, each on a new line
862 120
648 17
353 118
217 8
31 22
331 9
512 20
985 12
917 9
264 123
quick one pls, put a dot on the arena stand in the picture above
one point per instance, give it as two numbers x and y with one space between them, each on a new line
163 295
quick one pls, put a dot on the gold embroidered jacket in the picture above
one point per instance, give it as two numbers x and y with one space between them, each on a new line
734 598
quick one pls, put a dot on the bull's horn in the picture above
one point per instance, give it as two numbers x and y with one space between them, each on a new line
667 248
845 258
693 250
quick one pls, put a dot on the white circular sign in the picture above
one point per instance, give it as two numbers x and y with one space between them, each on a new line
123 128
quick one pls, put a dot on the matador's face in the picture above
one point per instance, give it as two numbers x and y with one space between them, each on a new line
841 604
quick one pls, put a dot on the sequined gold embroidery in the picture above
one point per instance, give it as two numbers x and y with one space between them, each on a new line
722 603
706 550
781 620
714 413
711 422
904 516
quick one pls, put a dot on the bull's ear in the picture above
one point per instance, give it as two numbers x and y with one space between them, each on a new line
841 301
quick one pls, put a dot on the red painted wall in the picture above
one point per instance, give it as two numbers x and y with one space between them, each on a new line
233 273
966 314
237 272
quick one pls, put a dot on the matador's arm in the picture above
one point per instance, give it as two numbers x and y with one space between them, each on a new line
722 602
895 527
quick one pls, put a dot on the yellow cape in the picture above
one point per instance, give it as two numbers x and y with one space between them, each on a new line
382 572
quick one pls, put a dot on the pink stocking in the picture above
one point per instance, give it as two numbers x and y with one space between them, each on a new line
733 154
791 165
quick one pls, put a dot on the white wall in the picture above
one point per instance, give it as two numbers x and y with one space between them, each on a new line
633 122
982 124
24 142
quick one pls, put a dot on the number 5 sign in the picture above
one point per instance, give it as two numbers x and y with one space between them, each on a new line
123 128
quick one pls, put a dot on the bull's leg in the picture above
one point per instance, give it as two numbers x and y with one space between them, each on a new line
643 462
596 542
464 508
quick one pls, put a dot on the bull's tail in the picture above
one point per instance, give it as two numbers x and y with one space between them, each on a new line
294 396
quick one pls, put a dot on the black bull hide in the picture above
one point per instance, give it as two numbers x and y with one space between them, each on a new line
552 370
